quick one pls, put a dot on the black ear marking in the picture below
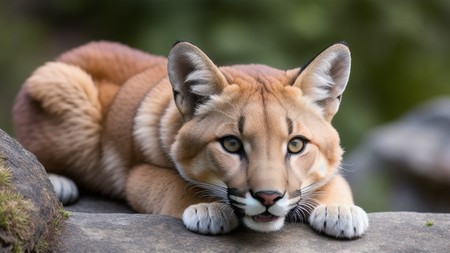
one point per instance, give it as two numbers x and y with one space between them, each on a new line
304 66
178 42
343 42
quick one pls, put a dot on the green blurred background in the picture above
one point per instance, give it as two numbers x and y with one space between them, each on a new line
400 49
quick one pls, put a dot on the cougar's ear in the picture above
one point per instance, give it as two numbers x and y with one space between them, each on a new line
324 79
193 76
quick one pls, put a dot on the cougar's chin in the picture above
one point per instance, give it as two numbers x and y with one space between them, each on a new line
264 222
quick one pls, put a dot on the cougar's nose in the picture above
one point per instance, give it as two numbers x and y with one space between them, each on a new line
268 198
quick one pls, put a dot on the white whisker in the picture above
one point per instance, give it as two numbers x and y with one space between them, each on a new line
226 114
210 191
238 205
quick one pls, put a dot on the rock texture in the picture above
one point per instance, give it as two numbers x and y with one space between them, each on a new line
411 157
388 232
29 190
100 225
95 204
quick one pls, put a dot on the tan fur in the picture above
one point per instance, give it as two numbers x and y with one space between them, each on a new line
105 115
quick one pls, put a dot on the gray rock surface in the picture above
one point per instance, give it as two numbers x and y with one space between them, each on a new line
95 204
388 232
29 180
100 225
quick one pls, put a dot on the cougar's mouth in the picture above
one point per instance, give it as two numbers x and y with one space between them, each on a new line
255 215
264 222
265 217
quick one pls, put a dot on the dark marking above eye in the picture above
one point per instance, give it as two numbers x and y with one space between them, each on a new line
241 123
290 125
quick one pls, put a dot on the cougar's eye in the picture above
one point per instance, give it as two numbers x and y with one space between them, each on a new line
231 144
297 144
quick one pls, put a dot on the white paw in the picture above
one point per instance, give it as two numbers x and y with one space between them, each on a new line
210 218
341 221
66 190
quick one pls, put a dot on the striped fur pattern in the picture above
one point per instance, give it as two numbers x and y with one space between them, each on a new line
214 146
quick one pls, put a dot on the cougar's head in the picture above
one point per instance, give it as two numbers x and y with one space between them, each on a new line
255 137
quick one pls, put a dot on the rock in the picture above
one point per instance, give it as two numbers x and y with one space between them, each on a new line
29 209
388 232
96 204
420 141
100 225
410 160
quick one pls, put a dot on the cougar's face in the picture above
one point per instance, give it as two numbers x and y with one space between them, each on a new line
261 147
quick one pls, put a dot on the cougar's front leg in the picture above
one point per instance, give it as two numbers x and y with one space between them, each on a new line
156 190
337 215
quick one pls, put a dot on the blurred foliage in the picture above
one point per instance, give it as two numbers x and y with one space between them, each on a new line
400 49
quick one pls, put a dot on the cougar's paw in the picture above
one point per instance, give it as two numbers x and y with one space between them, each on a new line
66 190
341 221
210 218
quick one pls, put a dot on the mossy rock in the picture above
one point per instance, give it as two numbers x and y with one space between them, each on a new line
30 214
